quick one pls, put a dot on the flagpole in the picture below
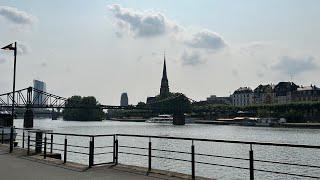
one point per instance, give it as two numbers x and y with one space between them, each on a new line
14 82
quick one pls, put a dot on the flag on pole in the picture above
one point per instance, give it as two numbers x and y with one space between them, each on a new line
9 47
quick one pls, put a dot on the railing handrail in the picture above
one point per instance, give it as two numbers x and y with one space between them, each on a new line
225 141
188 139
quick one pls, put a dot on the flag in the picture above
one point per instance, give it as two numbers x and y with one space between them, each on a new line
9 47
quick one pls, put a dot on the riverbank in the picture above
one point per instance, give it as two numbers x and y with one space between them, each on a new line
127 120
285 125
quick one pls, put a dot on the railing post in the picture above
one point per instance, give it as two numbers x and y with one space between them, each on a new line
149 155
23 139
2 136
65 149
51 143
45 147
11 139
192 162
91 152
28 152
117 152
114 148
251 163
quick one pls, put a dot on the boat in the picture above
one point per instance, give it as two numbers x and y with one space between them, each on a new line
4 129
163 118
245 121
269 122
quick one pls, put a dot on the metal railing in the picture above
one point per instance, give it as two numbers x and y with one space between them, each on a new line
50 143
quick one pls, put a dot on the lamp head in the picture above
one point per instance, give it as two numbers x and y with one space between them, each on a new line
9 47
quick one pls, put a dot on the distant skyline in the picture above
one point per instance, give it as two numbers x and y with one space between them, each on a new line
103 48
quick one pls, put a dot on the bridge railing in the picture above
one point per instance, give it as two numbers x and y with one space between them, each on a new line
153 152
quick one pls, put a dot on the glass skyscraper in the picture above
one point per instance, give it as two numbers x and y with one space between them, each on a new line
37 97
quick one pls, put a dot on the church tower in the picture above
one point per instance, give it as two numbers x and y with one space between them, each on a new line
164 88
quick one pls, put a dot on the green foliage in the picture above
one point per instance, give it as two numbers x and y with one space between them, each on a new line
127 113
88 109
293 112
141 105
174 102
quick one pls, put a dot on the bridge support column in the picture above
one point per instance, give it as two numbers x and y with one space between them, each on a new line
54 115
28 119
28 115
178 118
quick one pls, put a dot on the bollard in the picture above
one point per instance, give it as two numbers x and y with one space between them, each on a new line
51 143
251 163
2 136
192 162
65 150
38 142
22 139
45 147
28 152
91 152
149 156
11 139
117 152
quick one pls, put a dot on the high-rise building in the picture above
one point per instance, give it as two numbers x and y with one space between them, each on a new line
164 88
39 98
124 101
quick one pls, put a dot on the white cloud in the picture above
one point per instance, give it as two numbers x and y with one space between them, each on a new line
23 48
142 23
295 65
192 58
206 39
16 16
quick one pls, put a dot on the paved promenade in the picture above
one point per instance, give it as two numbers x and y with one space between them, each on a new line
19 167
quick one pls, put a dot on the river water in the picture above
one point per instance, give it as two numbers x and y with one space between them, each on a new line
241 133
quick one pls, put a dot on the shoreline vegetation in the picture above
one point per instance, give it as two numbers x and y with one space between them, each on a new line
82 114
300 112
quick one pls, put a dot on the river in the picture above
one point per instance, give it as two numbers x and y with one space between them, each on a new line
241 133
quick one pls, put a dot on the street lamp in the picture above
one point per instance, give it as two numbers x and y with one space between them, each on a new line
12 48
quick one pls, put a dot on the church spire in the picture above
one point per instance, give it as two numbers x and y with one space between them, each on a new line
164 72
164 88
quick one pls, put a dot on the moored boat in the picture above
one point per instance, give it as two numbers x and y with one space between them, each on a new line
5 131
164 118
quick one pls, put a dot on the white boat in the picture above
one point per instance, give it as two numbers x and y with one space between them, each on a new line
163 118
270 121
4 130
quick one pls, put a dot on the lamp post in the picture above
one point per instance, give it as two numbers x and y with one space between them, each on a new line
14 49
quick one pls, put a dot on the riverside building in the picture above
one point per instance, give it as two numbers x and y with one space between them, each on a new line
242 96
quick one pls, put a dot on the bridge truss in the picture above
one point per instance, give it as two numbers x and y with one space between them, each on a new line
34 98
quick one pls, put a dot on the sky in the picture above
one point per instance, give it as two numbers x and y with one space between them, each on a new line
102 48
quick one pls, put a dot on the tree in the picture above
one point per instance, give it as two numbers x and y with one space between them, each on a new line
174 102
88 109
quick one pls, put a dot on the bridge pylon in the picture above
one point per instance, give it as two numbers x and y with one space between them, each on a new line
28 115
178 118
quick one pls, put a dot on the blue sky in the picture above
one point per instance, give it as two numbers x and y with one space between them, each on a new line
104 48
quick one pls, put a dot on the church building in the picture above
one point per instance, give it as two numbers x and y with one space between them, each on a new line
164 87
